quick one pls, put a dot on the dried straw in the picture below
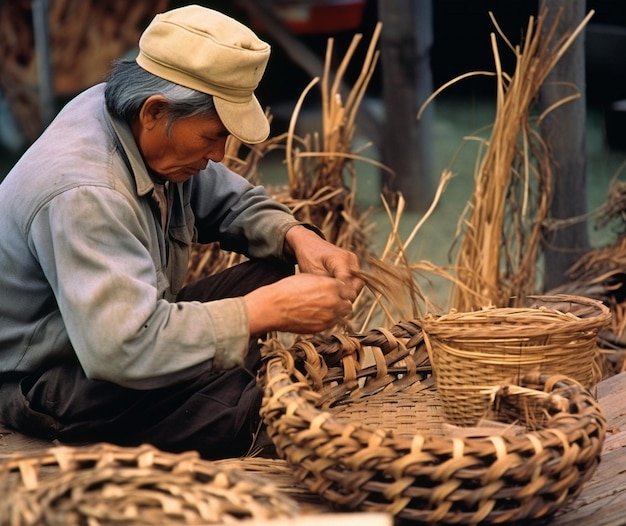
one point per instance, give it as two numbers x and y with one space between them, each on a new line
318 166
502 226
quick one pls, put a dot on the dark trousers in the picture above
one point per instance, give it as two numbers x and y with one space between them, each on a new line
215 414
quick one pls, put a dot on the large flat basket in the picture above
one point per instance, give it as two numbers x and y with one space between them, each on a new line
318 409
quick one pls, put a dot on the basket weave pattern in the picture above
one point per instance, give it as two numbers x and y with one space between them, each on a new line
106 484
472 352
422 477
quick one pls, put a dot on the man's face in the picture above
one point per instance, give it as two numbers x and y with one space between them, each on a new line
186 150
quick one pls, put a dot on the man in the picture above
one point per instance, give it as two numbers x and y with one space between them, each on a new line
98 341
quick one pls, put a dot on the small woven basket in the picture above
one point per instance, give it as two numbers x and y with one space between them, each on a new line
106 484
316 408
471 352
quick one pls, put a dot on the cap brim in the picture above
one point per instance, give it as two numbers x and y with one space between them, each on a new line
246 121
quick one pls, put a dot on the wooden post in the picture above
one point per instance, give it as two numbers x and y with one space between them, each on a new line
407 144
45 89
564 133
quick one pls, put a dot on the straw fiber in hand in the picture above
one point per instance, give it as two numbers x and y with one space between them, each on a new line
473 352
106 484
372 464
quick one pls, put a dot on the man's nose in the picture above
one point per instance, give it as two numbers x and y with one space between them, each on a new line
217 152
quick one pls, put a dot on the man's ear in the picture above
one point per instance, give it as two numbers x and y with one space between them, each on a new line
152 111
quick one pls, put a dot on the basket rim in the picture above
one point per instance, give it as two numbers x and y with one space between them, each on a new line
490 322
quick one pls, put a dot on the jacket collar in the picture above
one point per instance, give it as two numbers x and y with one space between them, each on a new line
126 142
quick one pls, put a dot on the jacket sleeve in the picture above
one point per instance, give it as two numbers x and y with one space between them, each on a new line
244 218
94 252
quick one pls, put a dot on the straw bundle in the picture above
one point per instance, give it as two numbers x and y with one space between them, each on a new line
502 225
317 166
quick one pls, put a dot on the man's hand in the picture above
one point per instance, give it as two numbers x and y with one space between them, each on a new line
313 300
317 256
304 303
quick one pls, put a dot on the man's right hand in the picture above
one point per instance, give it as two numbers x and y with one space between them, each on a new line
304 303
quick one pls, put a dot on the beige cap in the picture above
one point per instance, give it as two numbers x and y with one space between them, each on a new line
210 52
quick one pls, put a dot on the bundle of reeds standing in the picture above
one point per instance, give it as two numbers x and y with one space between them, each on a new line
318 165
500 231
321 190
499 247
320 171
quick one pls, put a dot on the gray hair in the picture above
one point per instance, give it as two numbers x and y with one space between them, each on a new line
129 86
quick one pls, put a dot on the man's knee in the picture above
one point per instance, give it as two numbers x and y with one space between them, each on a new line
238 280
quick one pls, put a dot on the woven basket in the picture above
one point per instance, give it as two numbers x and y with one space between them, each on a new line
106 484
315 404
472 352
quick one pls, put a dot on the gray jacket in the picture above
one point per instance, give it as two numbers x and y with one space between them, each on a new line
87 270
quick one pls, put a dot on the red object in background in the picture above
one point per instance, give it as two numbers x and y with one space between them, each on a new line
325 16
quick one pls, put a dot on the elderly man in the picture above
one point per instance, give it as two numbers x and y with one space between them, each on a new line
98 339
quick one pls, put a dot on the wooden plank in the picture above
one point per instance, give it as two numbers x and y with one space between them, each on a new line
611 394
13 442
601 502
